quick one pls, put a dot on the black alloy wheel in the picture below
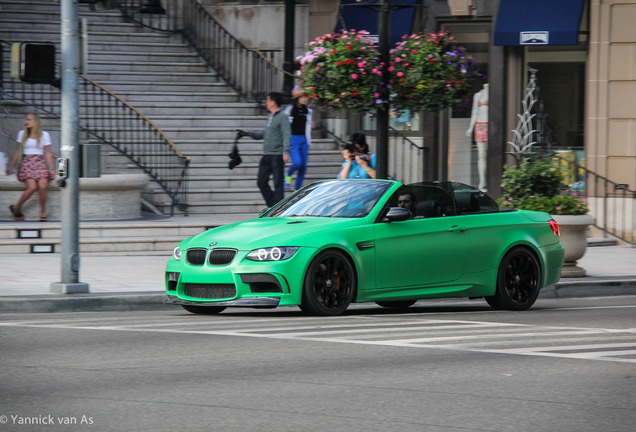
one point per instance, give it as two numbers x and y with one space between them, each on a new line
329 284
518 280
204 310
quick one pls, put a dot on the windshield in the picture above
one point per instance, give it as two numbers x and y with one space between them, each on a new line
338 198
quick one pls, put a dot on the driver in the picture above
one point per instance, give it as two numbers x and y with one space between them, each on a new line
407 200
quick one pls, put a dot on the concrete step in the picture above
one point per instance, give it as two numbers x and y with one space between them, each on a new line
155 86
149 233
139 57
198 109
601 241
102 47
150 66
132 77
53 35
165 98
52 24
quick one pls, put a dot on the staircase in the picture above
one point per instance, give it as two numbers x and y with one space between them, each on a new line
165 79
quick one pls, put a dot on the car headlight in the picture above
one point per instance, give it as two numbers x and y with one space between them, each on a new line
176 253
272 254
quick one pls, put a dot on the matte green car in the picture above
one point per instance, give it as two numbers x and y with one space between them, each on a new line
342 241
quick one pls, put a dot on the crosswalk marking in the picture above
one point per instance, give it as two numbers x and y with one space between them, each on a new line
616 345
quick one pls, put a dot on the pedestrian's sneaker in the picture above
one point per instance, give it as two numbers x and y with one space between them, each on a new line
288 180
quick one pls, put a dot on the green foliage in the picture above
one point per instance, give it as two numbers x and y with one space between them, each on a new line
535 185
531 177
341 71
430 72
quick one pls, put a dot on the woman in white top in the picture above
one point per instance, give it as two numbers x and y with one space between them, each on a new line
34 145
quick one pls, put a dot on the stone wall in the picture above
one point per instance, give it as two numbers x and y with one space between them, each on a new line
112 196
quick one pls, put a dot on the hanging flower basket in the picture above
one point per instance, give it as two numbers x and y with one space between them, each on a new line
430 72
342 72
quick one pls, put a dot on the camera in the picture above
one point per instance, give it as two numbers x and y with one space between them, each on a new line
354 151
349 146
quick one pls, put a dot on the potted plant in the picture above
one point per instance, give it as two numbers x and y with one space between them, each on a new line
536 184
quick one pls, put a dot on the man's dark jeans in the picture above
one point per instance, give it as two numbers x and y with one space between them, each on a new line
271 165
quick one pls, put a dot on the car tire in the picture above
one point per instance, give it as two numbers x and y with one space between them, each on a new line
204 310
518 281
402 304
329 284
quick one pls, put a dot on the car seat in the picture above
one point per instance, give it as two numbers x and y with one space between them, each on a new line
428 209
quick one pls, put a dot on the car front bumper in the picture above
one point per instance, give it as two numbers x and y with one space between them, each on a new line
254 302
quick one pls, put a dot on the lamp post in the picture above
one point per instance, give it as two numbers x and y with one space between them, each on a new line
384 8
382 113
69 134
288 51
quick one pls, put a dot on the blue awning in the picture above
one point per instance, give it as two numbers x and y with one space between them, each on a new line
360 17
538 22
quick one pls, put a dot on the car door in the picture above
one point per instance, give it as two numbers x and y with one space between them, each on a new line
419 252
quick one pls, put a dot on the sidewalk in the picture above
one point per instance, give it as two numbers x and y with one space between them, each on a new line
136 282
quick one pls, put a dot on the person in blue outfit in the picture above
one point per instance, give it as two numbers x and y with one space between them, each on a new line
358 161
301 125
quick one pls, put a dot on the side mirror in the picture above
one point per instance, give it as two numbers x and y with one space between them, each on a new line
397 214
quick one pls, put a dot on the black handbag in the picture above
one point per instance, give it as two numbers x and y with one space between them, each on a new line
235 157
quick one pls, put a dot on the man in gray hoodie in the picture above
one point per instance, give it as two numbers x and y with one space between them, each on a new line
276 140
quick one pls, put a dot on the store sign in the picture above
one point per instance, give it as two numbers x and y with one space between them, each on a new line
534 38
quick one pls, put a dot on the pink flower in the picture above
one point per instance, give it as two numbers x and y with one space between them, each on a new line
400 73
354 76
559 208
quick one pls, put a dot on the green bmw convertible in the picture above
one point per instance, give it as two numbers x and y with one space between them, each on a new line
341 241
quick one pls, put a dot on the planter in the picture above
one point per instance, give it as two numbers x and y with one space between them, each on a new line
111 196
573 230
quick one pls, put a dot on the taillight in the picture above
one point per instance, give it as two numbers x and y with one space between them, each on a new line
555 227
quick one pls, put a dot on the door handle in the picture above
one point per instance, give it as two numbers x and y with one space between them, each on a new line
456 228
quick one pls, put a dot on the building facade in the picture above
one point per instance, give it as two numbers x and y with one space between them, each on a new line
580 54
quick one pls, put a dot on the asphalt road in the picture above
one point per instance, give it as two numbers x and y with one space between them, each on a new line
565 365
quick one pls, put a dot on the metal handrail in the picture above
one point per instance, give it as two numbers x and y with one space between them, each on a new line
406 159
249 72
612 204
109 119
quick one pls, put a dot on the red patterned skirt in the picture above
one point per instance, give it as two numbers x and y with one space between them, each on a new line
481 132
33 167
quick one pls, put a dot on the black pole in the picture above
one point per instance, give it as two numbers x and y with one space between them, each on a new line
152 7
382 114
288 53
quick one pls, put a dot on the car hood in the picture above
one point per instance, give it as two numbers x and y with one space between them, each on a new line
268 232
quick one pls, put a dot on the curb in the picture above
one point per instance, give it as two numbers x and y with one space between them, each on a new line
594 288
152 301
83 303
